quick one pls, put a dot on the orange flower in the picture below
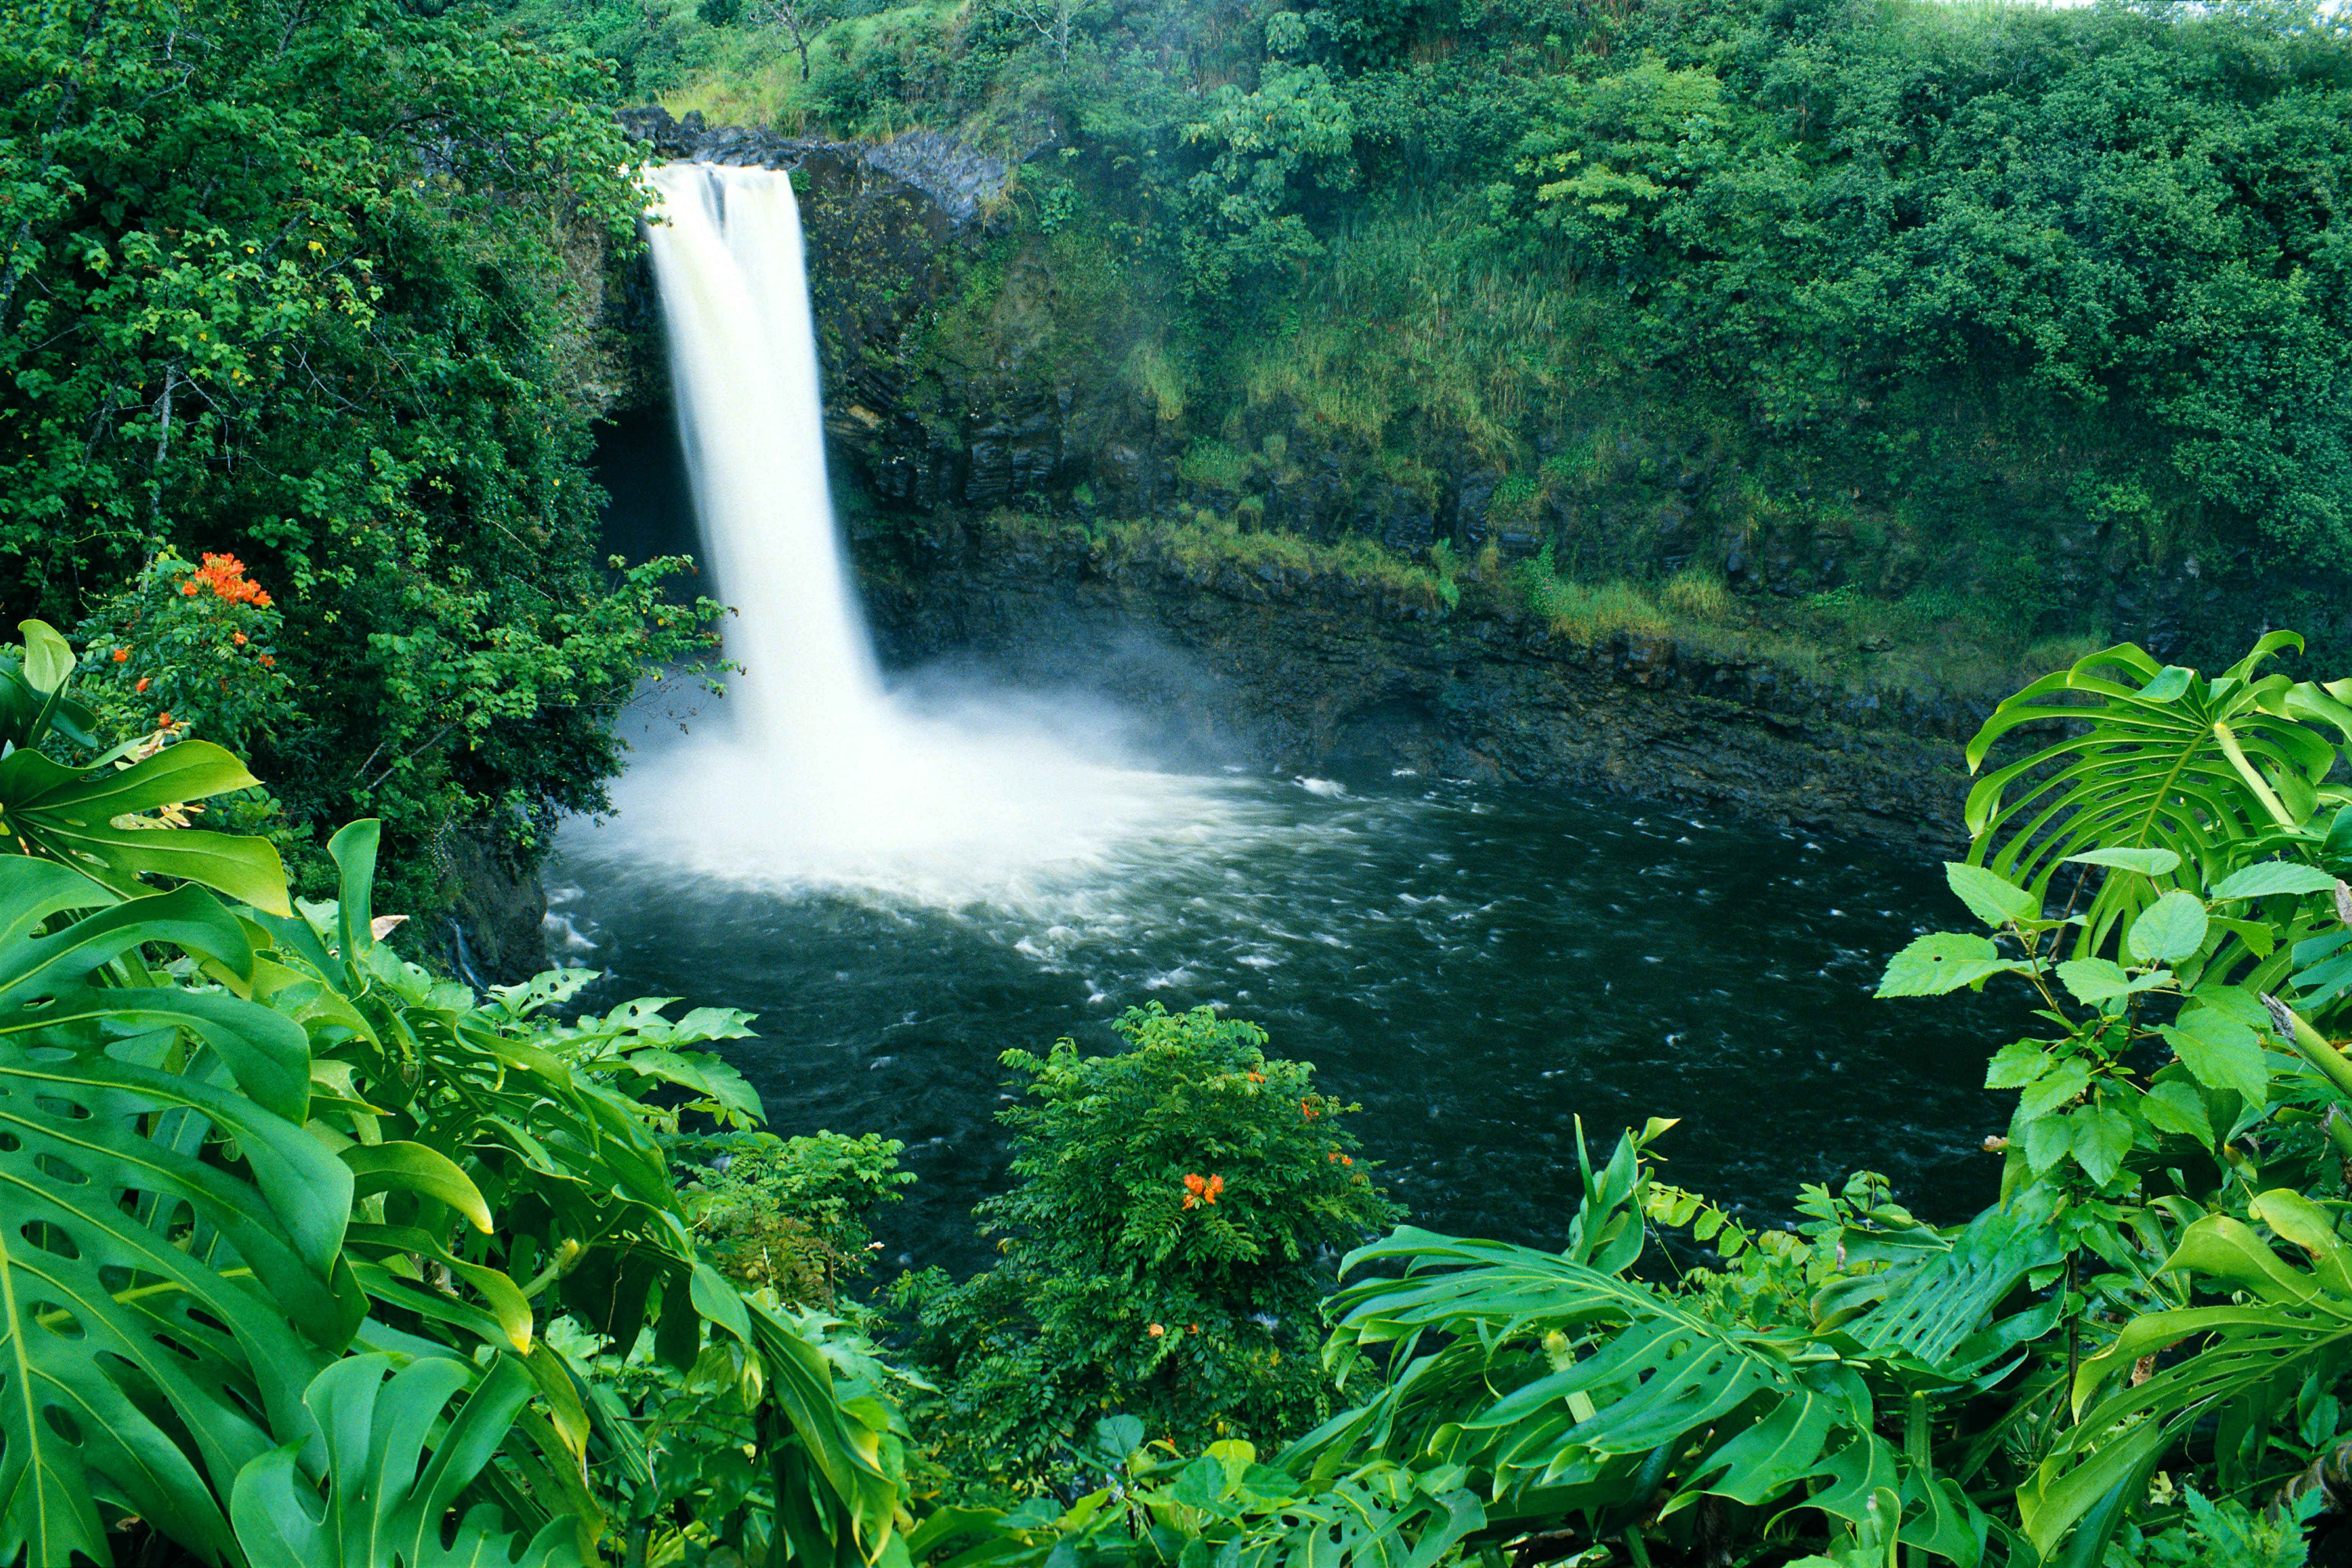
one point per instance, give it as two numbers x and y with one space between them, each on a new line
1194 1188
1157 1331
268 662
142 684
121 654
1257 1077
1306 1109
1196 1328
224 574
1216 1186
237 637
163 721
1335 1156
1345 1160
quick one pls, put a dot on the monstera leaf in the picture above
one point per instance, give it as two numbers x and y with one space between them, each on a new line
162 1311
389 1497
1226 1507
2252 1354
90 819
1666 1403
1568 1388
2157 758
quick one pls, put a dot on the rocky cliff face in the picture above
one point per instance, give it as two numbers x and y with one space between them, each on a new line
935 426
973 364
1311 669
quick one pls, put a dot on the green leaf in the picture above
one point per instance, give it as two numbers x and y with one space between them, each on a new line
2176 1107
720 1302
353 849
48 657
2146 862
1942 962
2171 928
2261 939
728 1094
1992 898
2221 1052
71 815
2099 1137
2059 1084
2335 849
2145 759
2274 876
84 1125
2255 1352
2097 980
390 1498
2047 1141
414 1168
2017 1064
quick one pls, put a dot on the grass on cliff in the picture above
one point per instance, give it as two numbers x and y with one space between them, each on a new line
1202 545
1413 316
1929 644
860 69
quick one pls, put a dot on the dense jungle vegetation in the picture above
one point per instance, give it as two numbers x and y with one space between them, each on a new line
1911 346
313 289
1947 324
312 1258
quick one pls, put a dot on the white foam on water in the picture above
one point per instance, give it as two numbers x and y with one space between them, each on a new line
812 774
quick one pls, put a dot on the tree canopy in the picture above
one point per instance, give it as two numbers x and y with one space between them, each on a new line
316 284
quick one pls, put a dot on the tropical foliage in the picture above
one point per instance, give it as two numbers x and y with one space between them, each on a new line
314 1258
276 1197
1160 1252
311 290
2156 1315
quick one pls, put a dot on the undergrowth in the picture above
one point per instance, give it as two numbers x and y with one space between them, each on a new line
1928 644
1202 543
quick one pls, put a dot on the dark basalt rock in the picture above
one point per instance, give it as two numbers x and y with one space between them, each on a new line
962 183
494 931
1281 666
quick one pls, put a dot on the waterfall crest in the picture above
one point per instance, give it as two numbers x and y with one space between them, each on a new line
812 772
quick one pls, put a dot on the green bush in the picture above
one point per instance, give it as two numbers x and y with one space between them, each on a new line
250 306
790 1213
1178 1210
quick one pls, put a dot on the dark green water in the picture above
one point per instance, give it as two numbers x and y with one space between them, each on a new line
1479 967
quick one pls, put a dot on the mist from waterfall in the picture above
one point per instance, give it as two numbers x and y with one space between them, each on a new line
812 773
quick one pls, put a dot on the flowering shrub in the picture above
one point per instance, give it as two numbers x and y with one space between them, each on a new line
186 651
1165 1254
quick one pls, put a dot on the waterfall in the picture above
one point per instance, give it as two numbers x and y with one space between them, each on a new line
813 773
742 358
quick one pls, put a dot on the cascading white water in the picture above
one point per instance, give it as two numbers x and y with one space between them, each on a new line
816 775
743 355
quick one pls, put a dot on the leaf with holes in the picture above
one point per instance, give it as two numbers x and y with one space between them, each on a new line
160 1312
1943 961
78 816
141 1279
390 1498
2155 767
